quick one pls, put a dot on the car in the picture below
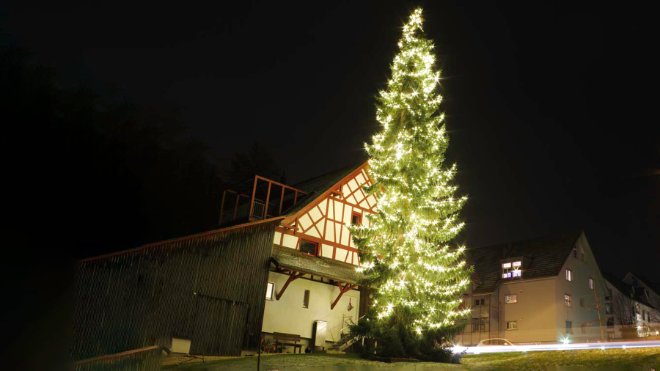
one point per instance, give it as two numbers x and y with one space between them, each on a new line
494 342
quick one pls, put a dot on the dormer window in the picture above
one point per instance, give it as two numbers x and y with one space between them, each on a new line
512 269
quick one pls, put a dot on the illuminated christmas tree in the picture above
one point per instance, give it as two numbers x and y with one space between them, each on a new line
419 276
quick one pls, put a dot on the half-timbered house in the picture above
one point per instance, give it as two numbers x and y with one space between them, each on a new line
312 288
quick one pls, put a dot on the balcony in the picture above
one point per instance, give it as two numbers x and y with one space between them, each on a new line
267 199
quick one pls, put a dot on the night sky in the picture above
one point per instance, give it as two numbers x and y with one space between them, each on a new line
551 107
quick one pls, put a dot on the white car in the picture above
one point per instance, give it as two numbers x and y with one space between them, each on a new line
494 342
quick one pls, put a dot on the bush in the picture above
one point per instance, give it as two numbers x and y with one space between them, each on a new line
391 338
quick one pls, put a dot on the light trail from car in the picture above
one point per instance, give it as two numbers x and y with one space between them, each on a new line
556 347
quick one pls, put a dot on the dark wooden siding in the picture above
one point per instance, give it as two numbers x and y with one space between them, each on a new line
208 288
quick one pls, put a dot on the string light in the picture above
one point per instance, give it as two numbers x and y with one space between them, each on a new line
405 248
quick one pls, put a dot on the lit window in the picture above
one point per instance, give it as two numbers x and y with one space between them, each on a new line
269 291
306 299
568 300
569 275
511 269
308 247
511 325
591 283
356 218
510 299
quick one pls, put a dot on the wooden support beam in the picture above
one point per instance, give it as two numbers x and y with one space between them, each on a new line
281 201
292 276
267 200
342 290
254 192
222 206
238 198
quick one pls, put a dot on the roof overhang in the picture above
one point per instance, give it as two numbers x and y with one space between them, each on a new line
291 259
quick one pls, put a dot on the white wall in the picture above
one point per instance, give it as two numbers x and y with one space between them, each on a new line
288 315
534 313
585 318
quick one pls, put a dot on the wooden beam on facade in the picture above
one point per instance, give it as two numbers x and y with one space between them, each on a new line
222 206
254 193
267 200
342 290
292 276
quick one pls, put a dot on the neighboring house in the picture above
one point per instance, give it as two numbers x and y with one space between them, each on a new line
642 290
542 290
284 260
630 308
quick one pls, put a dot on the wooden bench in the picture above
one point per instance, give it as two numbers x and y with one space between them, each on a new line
292 340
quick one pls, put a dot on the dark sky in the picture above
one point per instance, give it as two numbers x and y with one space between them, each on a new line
551 107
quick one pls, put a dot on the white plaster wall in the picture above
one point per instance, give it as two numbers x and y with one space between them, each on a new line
585 319
535 311
288 315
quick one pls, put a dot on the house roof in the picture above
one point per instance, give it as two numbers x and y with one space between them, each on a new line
319 185
616 282
628 289
653 286
542 257
176 242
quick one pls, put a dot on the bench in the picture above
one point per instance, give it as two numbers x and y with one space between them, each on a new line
292 340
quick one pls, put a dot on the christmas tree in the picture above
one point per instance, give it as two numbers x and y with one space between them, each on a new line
406 250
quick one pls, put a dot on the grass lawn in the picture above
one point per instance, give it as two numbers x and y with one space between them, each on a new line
612 359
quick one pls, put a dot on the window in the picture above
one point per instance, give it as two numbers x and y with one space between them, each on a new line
582 302
480 324
479 301
511 325
569 275
308 247
510 299
610 322
608 308
306 299
511 269
591 283
575 253
356 218
568 300
270 288
569 327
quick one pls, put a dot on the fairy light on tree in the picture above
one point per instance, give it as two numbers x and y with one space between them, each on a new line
407 249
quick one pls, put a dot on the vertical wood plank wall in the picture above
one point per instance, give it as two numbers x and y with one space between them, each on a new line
208 288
